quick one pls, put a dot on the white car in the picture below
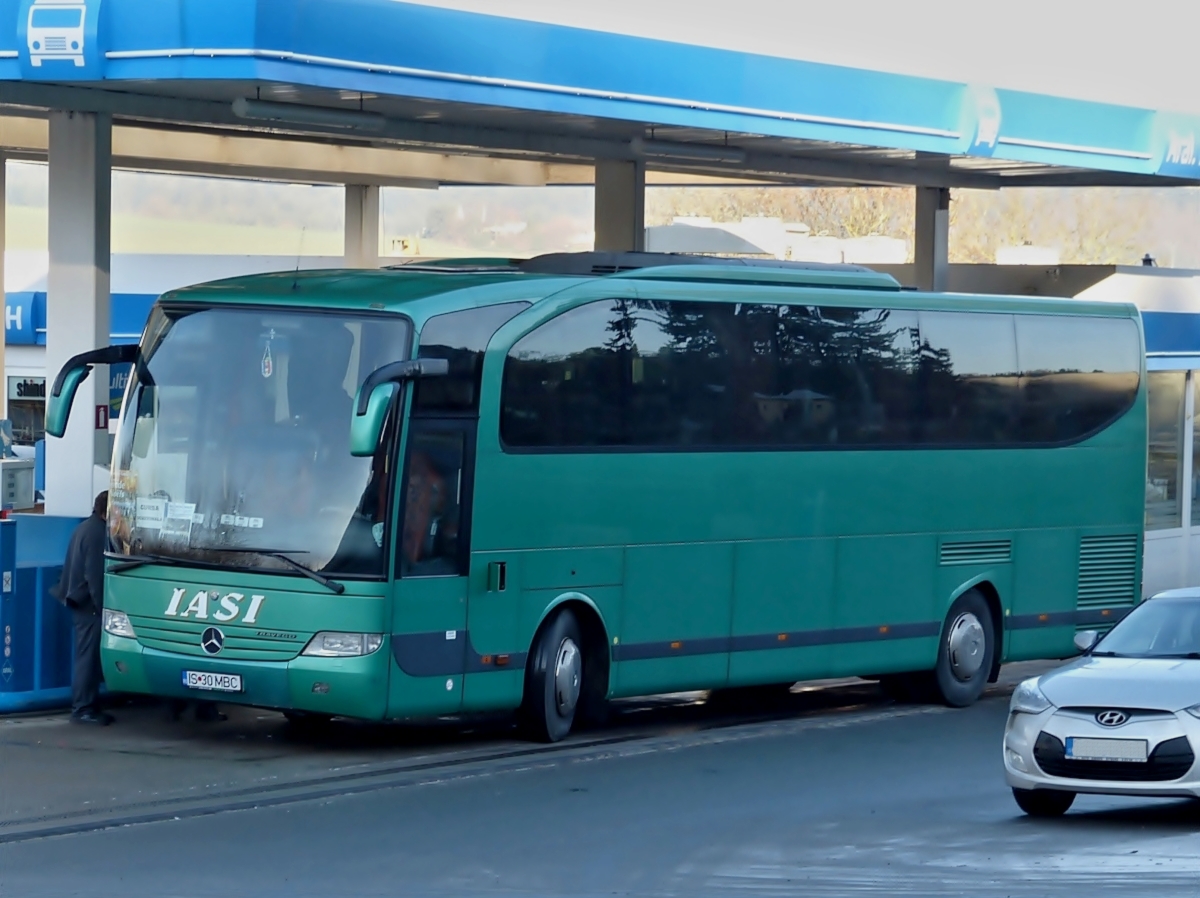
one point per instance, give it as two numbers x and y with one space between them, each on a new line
1123 719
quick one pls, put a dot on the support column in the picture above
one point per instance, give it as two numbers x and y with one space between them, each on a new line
78 315
931 238
3 248
620 205
362 226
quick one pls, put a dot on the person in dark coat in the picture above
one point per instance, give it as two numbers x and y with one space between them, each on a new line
82 590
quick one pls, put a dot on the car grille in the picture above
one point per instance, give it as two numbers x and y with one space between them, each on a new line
241 643
1169 761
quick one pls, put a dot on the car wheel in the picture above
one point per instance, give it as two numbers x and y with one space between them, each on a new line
554 679
1043 802
966 650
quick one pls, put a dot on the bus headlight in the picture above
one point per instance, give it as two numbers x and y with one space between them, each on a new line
342 645
117 623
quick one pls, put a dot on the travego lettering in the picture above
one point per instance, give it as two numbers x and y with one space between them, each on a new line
211 603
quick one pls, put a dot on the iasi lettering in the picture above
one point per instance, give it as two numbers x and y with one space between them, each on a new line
206 604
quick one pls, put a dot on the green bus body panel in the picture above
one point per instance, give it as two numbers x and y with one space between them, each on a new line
677 604
704 568
437 606
782 587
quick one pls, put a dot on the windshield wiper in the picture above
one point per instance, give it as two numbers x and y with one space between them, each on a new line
278 554
1188 656
129 562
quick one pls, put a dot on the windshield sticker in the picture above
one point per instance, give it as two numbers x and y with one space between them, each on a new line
150 513
177 525
237 520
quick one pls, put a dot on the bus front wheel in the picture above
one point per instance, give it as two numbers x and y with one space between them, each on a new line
966 650
554 681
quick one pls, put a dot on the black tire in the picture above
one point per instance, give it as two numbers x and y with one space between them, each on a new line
965 651
1043 802
554 679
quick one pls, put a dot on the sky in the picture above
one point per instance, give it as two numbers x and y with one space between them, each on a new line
1136 54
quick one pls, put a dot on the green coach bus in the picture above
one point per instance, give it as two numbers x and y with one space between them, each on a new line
539 485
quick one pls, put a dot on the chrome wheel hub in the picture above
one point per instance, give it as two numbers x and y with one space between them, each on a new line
567 676
965 645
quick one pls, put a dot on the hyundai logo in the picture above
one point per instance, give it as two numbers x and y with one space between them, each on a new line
212 641
1111 718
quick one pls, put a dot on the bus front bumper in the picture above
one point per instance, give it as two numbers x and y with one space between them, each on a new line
345 687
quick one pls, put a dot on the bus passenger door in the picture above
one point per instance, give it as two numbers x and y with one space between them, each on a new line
429 609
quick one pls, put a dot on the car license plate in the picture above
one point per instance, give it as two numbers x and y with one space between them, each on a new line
212 682
1131 750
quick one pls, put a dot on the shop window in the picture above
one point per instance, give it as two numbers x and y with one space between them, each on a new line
1166 392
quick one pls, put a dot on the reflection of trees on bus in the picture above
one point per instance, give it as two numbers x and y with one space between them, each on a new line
681 373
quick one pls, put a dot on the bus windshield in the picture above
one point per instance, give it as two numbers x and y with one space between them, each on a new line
234 437
49 17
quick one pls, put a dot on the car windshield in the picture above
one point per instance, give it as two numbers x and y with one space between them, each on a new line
1159 628
235 434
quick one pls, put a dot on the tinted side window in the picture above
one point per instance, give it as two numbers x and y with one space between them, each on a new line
967 379
679 374
460 337
563 382
1077 374
637 373
823 376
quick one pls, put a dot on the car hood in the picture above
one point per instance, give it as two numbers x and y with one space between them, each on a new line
1168 684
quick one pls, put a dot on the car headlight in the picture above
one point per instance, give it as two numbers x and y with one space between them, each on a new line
117 623
342 645
1028 699
1194 710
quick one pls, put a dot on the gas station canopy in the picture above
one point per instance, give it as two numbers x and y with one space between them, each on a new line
386 74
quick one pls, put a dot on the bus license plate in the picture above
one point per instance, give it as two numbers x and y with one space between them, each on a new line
1130 750
211 682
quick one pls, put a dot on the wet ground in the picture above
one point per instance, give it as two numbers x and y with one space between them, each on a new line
833 790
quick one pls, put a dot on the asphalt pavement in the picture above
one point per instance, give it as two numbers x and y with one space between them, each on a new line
835 791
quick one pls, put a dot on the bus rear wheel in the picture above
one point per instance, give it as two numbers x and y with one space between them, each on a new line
554 679
966 651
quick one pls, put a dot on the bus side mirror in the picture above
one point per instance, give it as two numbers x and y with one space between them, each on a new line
73 373
375 395
58 403
365 429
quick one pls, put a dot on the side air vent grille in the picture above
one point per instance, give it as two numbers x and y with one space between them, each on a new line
1108 571
983 551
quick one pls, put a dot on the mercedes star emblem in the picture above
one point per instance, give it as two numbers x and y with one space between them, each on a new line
212 641
1111 718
